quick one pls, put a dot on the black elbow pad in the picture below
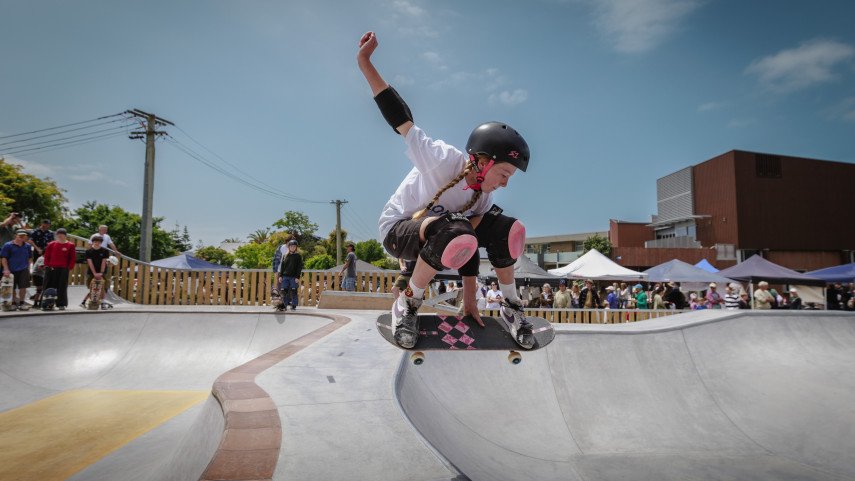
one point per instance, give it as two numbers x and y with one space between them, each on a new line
394 109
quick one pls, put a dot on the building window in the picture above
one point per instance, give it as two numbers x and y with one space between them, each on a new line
768 166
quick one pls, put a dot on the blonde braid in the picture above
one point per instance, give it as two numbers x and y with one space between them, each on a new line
469 167
473 201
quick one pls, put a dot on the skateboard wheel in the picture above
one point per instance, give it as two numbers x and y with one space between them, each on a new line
514 357
417 358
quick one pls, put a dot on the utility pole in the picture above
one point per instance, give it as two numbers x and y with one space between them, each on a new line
338 229
151 123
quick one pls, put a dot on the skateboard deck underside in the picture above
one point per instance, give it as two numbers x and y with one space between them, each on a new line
48 298
440 333
95 294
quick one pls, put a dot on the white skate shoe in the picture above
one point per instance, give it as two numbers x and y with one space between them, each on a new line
519 327
405 320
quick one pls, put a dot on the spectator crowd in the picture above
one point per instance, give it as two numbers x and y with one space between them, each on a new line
43 258
590 295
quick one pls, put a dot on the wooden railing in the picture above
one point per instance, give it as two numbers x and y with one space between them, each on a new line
143 283
593 316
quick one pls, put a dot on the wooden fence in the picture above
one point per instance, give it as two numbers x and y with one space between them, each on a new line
143 283
593 316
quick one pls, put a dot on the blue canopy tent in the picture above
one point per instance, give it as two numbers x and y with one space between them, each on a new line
186 261
844 273
705 265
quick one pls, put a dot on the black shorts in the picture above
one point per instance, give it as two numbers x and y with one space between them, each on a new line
22 279
402 242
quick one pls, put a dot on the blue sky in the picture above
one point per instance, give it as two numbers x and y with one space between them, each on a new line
610 94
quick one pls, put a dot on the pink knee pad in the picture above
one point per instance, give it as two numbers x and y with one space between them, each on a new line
459 250
516 240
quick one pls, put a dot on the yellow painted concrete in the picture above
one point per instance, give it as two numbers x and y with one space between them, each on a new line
56 437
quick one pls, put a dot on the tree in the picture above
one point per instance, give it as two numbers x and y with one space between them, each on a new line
260 236
298 225
387 263
232 240
329 244
34 198
369 251
215 255
185 240
599 243
255 256
124 229
322 262
180 242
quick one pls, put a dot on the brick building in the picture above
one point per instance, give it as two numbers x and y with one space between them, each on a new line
796 212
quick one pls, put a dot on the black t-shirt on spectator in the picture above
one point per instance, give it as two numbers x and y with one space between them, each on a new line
98 256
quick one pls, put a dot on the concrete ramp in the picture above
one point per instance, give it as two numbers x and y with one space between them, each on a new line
709 396
46 355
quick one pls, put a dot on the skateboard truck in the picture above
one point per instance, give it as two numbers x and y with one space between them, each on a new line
418 358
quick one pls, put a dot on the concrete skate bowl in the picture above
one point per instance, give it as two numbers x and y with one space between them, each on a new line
112 353
733 397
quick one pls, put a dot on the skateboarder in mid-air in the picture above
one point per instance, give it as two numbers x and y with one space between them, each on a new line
443 211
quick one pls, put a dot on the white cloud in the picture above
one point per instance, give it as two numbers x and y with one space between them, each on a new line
489 80
432 57
710 106
406 7
641 25
845 110
417 31
740 123
808 64
32 167
87 177
516 97
403 80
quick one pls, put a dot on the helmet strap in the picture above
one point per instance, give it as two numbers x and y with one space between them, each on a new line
481 174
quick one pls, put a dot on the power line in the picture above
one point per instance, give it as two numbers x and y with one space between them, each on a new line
72 143
239 172
362 221
202 159
358 226
59 141
60 126
62 132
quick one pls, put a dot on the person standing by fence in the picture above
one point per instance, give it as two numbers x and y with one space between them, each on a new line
349 269
731 300
60 257
289 275
588 298
563 298
612 298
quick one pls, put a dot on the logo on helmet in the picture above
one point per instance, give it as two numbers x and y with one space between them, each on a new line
514 154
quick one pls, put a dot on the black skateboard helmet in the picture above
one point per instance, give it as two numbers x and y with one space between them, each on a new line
500 142
292 242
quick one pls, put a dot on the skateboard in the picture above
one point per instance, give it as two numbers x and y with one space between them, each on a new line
276 300
95 294
6 292
443 333
48 299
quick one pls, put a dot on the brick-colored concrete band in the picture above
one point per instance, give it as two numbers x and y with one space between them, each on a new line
250 445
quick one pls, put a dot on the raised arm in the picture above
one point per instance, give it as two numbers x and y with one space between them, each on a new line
391 105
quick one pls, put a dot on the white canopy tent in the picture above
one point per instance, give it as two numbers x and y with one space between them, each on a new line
596 266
